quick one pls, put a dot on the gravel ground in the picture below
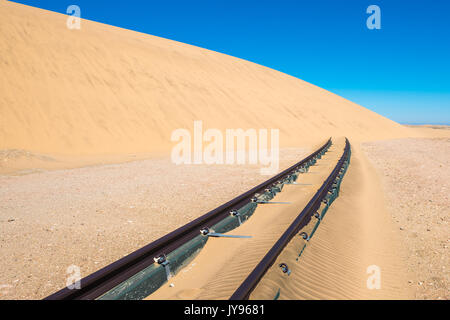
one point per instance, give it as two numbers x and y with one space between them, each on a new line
92 216
415 174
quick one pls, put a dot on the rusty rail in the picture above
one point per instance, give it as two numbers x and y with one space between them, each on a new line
105 279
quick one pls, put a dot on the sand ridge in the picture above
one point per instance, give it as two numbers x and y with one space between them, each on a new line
357 232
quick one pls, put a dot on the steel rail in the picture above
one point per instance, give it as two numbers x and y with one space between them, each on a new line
105 279
250 283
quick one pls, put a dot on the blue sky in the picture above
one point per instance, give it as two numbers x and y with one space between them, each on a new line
401 71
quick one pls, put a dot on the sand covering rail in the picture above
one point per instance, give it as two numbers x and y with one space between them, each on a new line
224 263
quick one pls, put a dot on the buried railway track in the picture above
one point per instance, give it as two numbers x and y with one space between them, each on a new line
142 272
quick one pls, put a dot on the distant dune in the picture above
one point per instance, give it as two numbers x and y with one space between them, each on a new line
103 90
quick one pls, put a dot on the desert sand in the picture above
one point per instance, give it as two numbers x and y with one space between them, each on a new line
86 118
415 177
103 90
92 216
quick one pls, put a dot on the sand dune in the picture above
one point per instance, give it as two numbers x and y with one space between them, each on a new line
103 90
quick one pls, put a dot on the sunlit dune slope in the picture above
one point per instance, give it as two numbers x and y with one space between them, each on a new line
106 90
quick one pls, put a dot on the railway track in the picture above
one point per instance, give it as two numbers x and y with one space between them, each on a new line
324 196
142 272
